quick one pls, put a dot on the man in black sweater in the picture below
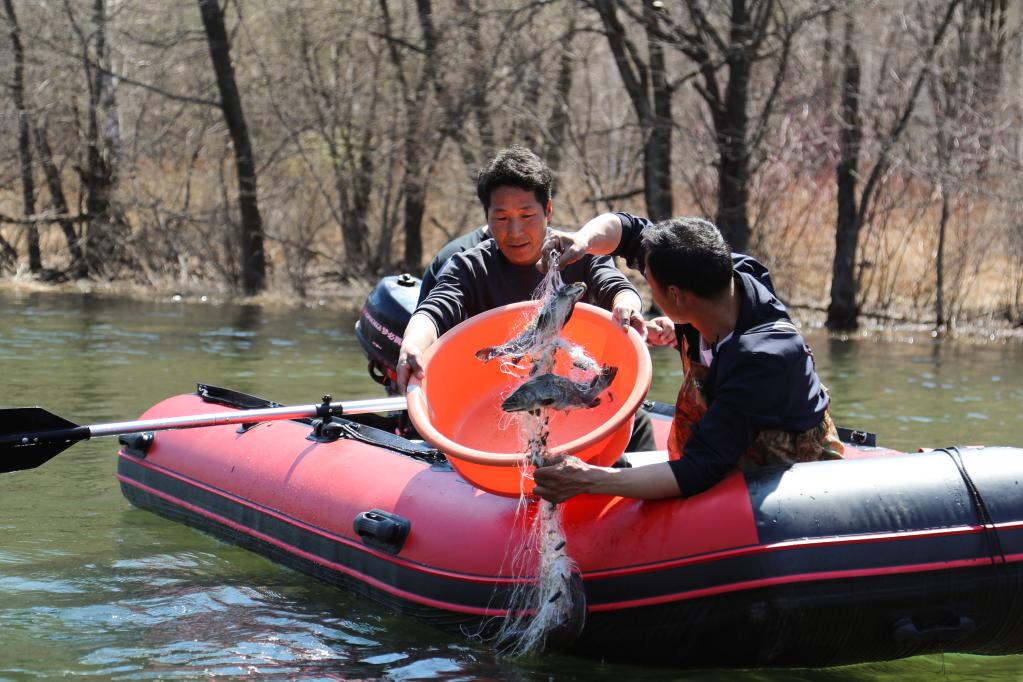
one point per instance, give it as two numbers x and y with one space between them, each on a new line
457 245
515 189
751 394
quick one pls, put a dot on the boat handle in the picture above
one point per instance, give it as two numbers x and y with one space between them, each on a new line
950 629
382 530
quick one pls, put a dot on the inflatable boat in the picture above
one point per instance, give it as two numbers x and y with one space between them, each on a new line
878 556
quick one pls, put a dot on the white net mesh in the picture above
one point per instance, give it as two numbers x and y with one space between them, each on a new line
547 601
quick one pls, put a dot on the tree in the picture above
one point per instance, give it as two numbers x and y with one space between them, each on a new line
35 263
253 259
650 92
847 228
558 121
751 34
78 267
415 85
964 91
844 308
106 233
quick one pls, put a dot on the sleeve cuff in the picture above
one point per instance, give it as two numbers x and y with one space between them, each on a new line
691 481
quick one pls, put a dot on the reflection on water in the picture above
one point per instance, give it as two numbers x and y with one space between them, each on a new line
93 588
927 393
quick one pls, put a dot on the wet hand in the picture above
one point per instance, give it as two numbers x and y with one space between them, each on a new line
660 331
562 481
408 366
570 247
627 316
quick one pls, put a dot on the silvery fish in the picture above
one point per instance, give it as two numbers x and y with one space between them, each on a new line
558 392
554 313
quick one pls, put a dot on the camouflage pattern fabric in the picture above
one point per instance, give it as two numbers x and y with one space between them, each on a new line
689 406
770 447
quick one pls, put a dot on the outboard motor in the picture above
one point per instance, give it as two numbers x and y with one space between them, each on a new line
381 324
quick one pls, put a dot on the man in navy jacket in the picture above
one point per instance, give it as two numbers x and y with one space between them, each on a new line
751 394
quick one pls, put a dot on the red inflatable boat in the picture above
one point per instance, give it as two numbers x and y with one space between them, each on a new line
879 556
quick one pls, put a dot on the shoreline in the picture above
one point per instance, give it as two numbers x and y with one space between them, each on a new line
348 298
984 329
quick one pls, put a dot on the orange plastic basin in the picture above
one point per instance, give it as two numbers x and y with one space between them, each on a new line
457 405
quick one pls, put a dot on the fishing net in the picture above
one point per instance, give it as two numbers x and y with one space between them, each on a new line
547 605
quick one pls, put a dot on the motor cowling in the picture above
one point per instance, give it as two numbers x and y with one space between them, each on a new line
382 322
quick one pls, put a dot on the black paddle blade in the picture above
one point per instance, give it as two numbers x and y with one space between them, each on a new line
31 436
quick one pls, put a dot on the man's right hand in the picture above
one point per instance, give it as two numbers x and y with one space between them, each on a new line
419 335
570 247
599 236
408 366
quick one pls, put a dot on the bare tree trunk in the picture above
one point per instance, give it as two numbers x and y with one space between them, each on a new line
104 243
731 128
964 84
415 96
78 268
843 310
35 263
828 47
752 24
660 200
558 123
994 23
650 93
939 284
526 129
415 208
479 74
354 191
253 258
8 256
106 96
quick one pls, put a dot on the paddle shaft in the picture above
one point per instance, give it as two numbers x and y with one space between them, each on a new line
78 433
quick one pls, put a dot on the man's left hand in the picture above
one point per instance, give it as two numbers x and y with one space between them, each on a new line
660 332
628 316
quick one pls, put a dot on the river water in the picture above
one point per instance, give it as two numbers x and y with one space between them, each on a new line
91 588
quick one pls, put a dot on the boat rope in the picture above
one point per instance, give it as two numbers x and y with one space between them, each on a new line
979 506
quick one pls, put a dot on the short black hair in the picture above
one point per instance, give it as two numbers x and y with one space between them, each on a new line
690 253
515 166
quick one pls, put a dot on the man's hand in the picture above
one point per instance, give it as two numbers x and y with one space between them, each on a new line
419 335
625 311
660 331
599 236
570 247
572 476
409 365
627 316
566 479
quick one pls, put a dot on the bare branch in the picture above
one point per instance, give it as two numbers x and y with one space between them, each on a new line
50 217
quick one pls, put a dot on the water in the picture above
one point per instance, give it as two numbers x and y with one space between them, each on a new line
91 588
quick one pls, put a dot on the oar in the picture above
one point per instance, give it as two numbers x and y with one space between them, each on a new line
31 436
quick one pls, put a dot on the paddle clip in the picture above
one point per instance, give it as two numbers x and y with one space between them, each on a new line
137 444
325 429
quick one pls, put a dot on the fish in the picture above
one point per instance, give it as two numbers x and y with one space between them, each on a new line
558 392
553 315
